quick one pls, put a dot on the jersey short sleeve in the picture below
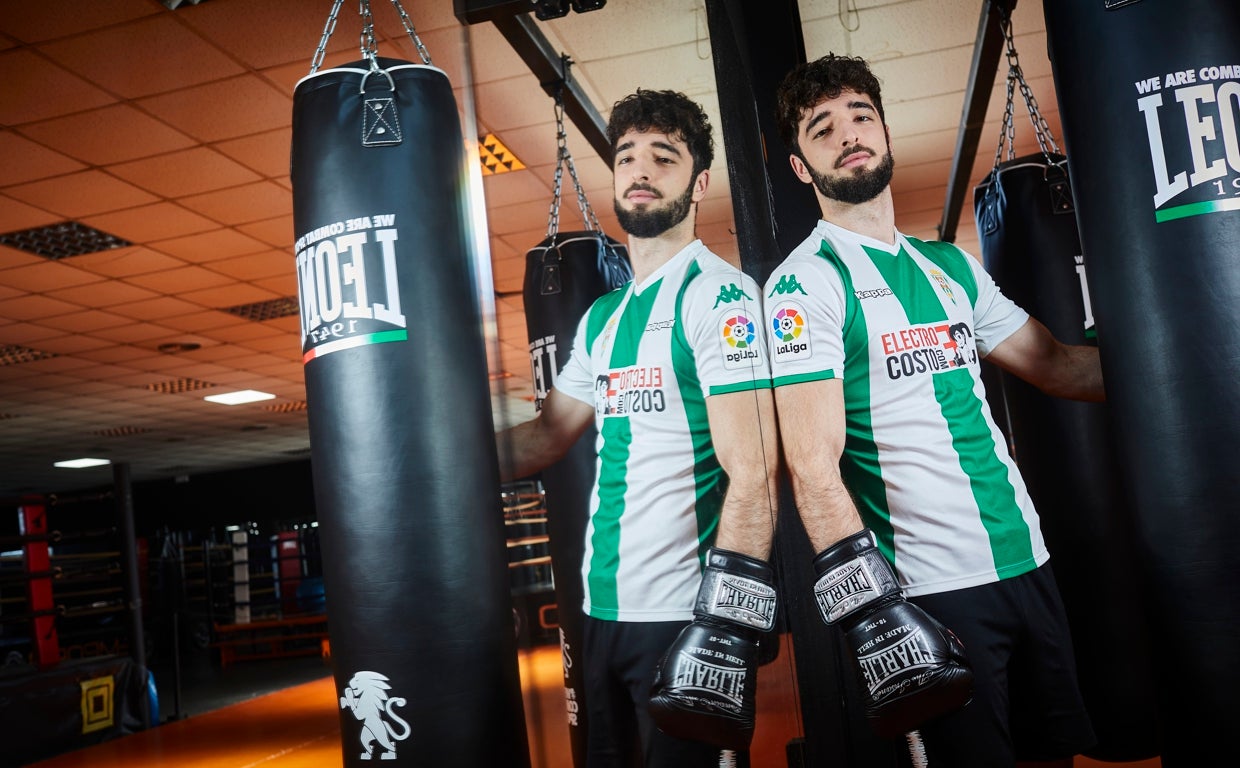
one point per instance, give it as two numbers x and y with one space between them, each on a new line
576 380
805 312
721 317
996 317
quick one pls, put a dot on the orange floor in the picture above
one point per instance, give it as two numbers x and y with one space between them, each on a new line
299 728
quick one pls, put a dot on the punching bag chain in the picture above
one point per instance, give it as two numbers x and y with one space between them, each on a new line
1015 76
564 158
368 45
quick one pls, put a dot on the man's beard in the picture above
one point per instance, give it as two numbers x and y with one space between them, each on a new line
653 222
858 187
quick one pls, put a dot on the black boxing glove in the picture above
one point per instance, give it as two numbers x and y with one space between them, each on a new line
705 684
913 668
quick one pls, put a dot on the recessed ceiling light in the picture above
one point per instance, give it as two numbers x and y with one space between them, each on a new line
239 398
81 463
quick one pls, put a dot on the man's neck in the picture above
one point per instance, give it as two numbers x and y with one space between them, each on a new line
648 254
874 218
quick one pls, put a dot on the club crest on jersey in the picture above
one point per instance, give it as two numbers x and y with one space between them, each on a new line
739 335
944 287
789 332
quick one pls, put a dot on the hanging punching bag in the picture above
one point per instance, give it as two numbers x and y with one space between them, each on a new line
402 441
1064 448
1149 94
564 274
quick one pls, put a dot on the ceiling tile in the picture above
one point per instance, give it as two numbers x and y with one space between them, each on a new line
256 265
34 307
110 134
186 172
202 322
107 294
230 295
50 19
25 160
222 110
89 321
16 215
250 202
266 153
36 89
47 276
277 232
151 223
79 195
157 308
124 262
281 285
210 247
180 281
274 31
184 57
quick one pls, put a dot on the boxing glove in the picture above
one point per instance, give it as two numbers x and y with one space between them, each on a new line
705 684
913 669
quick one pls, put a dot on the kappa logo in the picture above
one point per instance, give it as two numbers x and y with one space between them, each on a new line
367 698
787 284
730 293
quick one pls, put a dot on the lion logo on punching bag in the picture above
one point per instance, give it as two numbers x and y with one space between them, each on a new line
368 700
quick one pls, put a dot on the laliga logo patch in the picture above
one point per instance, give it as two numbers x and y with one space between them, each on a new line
739 333
790 331
367 698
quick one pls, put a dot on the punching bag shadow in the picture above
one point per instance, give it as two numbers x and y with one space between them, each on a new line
402 442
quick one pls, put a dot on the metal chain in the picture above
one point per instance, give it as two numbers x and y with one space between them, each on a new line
369 47
565 159
413 35
1046 141
328 29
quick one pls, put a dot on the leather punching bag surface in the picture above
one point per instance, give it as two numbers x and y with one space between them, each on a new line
1149 94
402 441
1030 246
564 274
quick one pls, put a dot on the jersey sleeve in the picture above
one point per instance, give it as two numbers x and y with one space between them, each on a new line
995 316
805 312
577 379
721 314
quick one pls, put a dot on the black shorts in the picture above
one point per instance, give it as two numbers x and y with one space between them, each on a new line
1026 703
619 659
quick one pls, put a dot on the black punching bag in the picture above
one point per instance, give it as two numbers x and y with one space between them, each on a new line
564 274
402 441
1149 94
1065 450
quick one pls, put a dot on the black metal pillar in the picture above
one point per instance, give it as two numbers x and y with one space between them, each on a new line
133 587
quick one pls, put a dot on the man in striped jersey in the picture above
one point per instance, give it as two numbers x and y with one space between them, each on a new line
673 370
891 447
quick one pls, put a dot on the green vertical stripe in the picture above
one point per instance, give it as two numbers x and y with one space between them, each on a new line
709 481
613 458
951 260
961 408
860 469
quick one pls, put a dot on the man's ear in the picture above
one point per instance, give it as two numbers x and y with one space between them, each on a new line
700 184
799 168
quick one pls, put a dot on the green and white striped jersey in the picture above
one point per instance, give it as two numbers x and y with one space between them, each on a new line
647 357
904 326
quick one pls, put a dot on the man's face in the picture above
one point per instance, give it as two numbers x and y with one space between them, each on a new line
655 187
845 150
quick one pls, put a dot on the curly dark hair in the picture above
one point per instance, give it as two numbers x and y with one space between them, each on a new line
667 112
824 78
